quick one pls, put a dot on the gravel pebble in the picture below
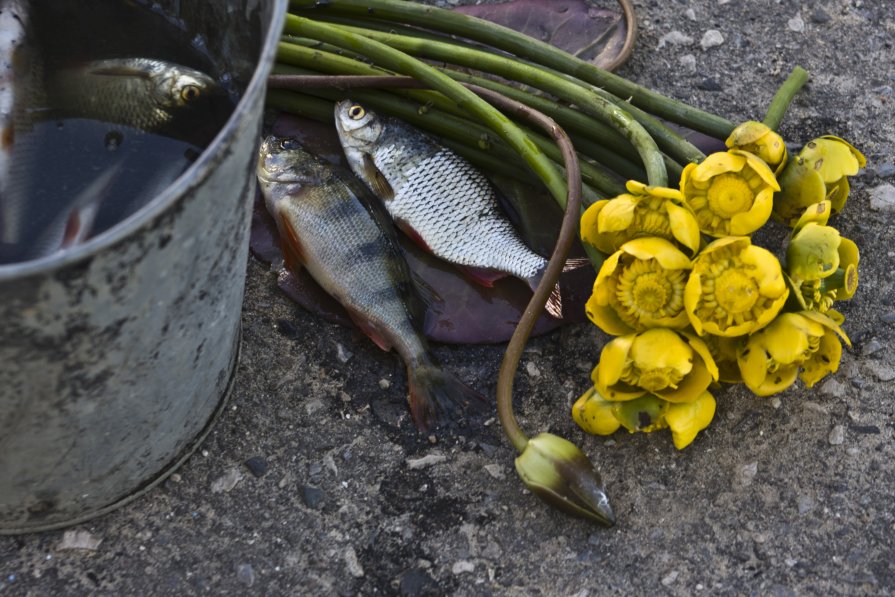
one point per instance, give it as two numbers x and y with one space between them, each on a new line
820 16
669 578
885 170
532 369
871 347
688 63
351 561
343 354
227 481
384 384
833 387
312 497
425 461
882 198
711 38
746 473
675 38
78 539
495 470
462 567
245 574
888 317
882 371
257 465
837 435
796 24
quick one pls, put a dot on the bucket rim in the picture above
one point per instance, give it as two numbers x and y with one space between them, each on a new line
197 171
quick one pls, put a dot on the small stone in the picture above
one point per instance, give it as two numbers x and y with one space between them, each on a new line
227 481
426 461
805 504
796 24
675 38
495 470
532 369
416 581
81 540
488 449
711 38
257 465
690 14
709 84
882 371
312 497
871 347
462 566
859 383
351 561
833 387
746 474
384 384
245 574
885 170
313 406
820 16
688 63
888 317
343 354
837 435
882 198
669 578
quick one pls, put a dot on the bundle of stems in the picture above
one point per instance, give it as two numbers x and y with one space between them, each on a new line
599 129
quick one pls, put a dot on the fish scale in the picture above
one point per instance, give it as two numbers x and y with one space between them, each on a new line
467 208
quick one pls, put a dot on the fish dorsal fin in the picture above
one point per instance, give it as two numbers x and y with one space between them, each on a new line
377 180
120 70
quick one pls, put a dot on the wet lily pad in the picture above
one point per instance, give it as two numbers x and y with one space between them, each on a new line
598 35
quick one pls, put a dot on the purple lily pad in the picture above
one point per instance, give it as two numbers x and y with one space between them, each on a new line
593 34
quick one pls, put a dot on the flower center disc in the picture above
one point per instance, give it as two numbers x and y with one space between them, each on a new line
654 380
650 293
735 291
729 194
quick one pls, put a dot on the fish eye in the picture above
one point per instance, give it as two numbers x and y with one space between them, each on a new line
356 112
288 144
190 93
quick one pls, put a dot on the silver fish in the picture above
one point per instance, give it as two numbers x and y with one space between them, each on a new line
330 225
144 93
437 198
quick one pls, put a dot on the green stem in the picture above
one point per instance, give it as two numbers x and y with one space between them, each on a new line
400 62
784 96
597 177
500 37
585 99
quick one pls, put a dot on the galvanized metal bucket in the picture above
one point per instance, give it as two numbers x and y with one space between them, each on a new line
116 356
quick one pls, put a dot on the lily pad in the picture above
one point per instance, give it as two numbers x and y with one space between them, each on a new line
598 35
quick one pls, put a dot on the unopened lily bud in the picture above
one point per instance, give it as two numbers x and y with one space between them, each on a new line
559 473
759 139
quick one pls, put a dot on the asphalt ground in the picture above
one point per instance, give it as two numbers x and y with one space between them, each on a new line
791 495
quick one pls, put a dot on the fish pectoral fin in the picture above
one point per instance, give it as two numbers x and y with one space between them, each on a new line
377 179
481 275
293 253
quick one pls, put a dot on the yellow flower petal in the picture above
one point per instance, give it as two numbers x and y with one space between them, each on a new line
825 360
617 214
646 414
660 348
651 247
717 163
832 157
594 414
688 419
684 226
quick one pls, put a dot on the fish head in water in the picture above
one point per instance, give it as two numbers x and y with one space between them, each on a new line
359 131
179 87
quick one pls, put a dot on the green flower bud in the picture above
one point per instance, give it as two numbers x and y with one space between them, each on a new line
559 473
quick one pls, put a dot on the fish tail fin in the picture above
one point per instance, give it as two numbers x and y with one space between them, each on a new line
575 263
554 301
439 397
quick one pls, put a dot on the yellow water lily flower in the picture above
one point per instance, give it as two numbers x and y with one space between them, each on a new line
724 351
732 193
687 419
673 365
819 172
821 264
759 139
734 288
640 286
594 414
772 357
642 211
